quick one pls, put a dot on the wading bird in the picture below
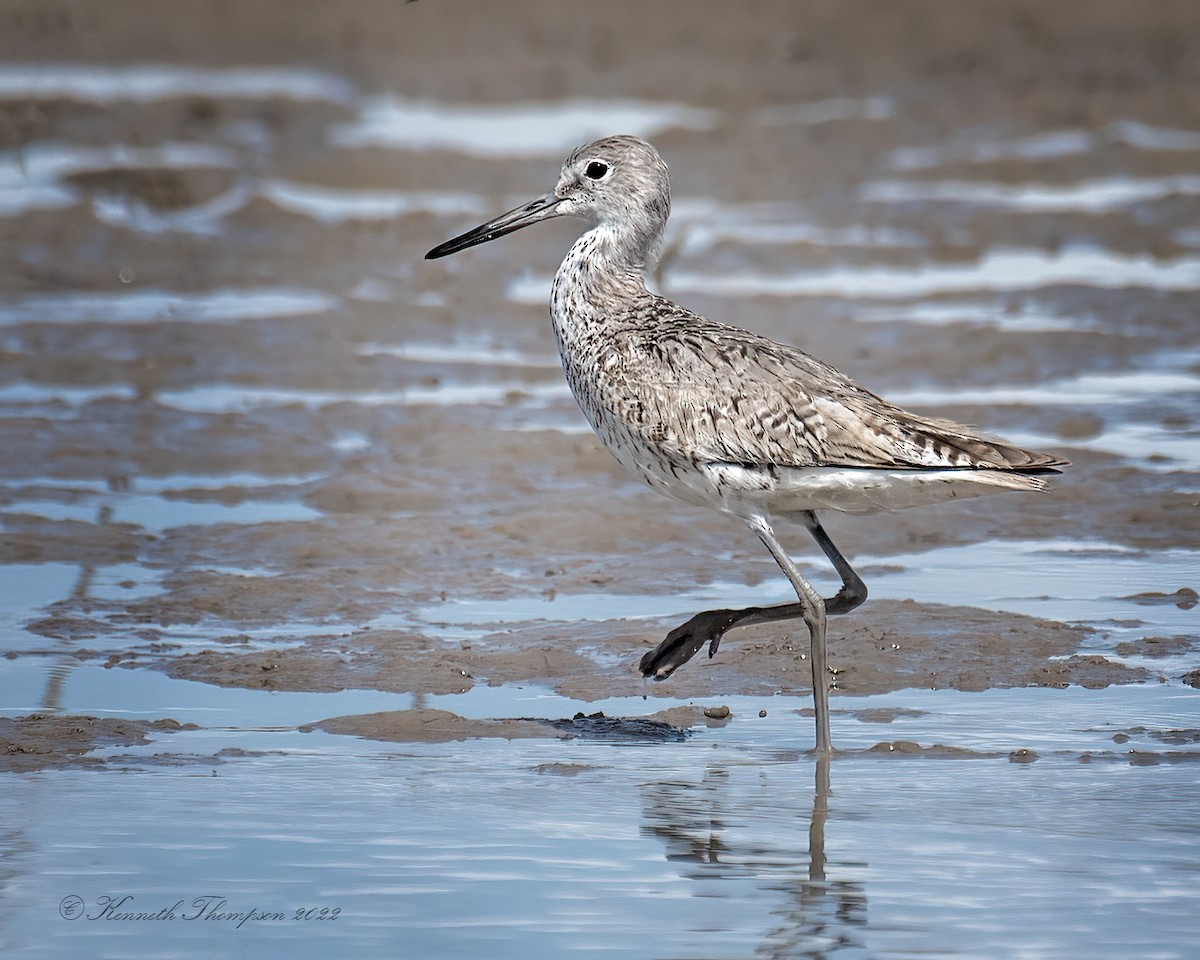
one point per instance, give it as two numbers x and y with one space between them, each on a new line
715 415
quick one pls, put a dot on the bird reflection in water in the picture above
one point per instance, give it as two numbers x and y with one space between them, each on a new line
716 835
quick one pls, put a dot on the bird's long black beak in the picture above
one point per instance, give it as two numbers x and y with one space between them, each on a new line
543 208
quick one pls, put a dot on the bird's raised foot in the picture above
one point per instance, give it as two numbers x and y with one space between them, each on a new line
850 597
686 640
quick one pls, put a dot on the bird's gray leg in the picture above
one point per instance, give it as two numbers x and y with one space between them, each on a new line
853 591
814 618
707 628
683 642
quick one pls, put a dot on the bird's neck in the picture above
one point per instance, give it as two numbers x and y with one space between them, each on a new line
603 268
596 292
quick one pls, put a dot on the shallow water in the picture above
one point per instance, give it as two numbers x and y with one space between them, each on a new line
247 430
706 848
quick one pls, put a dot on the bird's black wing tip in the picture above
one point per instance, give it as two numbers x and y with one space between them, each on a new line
1044 469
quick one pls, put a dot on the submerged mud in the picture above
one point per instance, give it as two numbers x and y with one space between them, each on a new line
256 441
38 742
903 644
438 726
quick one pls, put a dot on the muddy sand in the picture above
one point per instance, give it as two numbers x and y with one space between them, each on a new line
281 452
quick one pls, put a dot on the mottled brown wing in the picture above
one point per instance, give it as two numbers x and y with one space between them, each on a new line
717 393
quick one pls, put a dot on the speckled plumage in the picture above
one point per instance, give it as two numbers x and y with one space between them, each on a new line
715 415
673 394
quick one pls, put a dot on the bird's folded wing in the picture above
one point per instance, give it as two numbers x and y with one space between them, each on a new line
726 395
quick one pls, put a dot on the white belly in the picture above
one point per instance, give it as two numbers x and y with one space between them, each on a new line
743 490
788 490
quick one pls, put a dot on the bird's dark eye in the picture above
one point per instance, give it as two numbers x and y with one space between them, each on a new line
596 170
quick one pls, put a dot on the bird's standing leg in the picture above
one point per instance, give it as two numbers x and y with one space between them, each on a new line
814 619
707 628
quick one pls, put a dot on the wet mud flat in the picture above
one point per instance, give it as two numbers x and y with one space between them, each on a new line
297 528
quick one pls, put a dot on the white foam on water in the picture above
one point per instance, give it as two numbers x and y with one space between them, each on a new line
1188 237
157 514
826 111
567 421
123 581
159 503
230 398
1025 317
201 219
1145 136
1066 581
32 178
155 305
47 161
18 195
69 484
1122 387
57 510
698 223
372 290
42 395
350 441
1088 196
529 288
1148 445
1058 143
1004 269
550 128
330 205
1050 145
182 482
149 82
696 235
1069 581
468 350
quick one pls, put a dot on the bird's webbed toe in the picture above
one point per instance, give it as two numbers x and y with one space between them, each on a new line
686 640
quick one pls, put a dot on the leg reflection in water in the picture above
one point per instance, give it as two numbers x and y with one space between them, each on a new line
738 833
